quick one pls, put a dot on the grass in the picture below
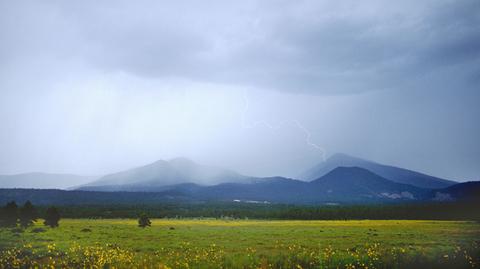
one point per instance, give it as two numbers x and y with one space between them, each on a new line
244 244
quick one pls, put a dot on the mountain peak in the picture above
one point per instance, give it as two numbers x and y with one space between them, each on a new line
348 172
176 162
347 169
343 157
157 162
182 162
181 159
340 155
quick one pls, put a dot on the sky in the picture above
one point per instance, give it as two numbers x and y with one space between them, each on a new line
261 87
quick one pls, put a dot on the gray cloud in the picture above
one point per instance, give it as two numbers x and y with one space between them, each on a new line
306 46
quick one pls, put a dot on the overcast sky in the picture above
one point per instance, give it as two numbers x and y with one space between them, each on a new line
261 87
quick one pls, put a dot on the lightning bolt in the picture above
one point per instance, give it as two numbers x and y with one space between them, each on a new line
296 123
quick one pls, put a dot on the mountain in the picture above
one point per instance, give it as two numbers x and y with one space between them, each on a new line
42 180
359 184
158 176
392 173
466 191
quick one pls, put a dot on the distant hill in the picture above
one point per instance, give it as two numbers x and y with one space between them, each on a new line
42 180
396 174
159 175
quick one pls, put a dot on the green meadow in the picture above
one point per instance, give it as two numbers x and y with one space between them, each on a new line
211 243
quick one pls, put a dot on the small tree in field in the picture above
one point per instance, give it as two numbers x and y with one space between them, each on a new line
144 221
10 212
28 214
52 217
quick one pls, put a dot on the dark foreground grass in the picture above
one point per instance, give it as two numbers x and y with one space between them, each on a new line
243 244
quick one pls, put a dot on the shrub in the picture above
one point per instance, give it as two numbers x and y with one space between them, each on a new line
144 221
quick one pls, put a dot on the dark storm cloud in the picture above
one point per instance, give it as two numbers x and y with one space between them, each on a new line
306 46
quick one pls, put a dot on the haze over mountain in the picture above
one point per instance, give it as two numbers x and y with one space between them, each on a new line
396 174
43 180
162 173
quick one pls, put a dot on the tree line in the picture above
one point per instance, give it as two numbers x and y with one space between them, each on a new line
432 211
12 216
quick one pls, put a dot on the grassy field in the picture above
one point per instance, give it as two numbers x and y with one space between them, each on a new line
244 244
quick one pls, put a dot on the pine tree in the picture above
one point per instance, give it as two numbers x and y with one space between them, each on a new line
52 217
144 221
28 214
10 214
